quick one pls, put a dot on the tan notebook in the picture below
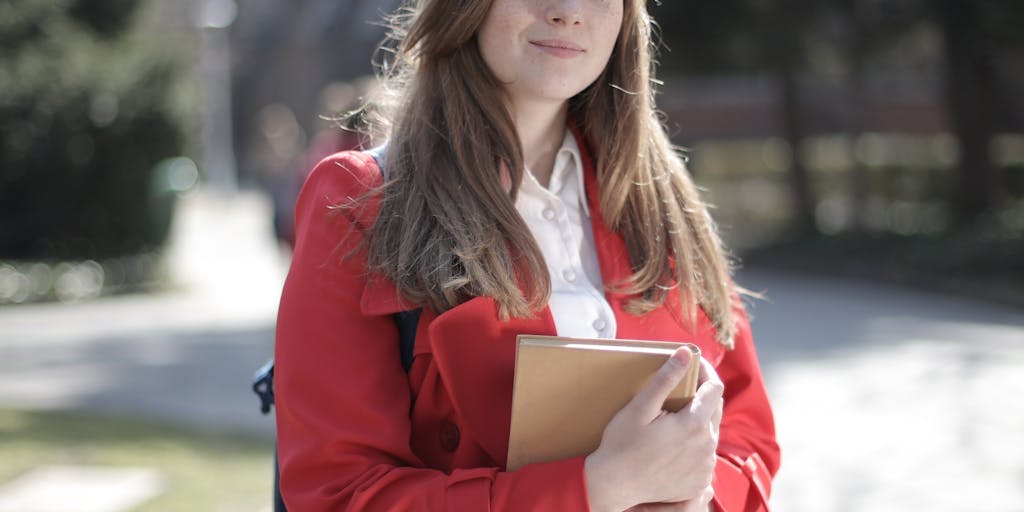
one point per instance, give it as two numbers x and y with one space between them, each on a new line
567 390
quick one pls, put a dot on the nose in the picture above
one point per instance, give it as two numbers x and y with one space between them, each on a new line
565 12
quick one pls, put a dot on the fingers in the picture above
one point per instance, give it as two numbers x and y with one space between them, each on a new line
716 427
694 506
716 412
716 419
648 402
706 498
681 506
701 503
707 402
707 372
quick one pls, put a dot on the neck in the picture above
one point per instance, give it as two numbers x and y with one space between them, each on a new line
540 126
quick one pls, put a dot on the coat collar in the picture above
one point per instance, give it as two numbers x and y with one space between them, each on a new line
475 352
612 255
380 296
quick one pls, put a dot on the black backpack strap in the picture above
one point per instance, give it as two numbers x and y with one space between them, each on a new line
263 386
407 322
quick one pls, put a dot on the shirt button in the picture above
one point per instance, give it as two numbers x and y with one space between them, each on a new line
548 213
450 436
569 275
600 324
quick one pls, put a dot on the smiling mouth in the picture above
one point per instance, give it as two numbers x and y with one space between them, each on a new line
558 44
558 48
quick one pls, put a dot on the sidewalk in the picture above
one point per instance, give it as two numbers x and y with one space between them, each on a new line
890 399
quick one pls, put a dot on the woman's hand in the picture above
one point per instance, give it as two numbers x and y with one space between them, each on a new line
650 456
702 504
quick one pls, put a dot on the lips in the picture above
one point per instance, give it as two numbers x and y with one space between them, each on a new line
558 47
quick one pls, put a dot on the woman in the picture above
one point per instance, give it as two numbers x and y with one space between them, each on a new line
529 189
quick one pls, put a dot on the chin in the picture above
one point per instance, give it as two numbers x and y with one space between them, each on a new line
559 93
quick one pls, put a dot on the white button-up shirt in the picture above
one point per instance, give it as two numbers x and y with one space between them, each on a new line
559 219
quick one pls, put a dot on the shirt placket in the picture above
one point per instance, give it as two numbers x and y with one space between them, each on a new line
560 224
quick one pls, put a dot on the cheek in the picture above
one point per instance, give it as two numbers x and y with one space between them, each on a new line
608 35
606 25
612 27
495 46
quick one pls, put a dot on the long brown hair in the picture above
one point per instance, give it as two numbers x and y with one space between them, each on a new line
448 229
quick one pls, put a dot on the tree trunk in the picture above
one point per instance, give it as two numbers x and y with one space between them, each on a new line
970 87
785 48
857 112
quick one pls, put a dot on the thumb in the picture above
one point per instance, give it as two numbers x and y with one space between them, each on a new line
646 405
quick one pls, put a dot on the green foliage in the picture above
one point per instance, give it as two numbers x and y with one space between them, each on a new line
107 19
84 118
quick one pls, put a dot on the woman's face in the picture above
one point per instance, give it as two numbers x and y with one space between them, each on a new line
549 50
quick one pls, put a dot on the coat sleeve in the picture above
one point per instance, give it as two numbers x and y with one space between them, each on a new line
748 455
342 397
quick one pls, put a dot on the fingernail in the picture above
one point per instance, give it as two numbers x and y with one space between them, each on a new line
681 357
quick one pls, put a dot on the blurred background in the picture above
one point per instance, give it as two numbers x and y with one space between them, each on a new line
865 160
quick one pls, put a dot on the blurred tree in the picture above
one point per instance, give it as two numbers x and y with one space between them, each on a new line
858 45
973 32
782 33
866 27
84 118
776 36
744 36
107 19
708 37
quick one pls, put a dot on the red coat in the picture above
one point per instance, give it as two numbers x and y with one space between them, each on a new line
356 433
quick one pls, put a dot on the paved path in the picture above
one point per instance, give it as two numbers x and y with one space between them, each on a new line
889 399
886 398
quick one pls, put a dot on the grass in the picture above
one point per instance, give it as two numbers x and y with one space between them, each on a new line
203 470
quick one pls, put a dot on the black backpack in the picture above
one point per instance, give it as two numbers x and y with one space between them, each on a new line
263 381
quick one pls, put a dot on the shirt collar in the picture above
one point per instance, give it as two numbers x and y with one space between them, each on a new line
568 169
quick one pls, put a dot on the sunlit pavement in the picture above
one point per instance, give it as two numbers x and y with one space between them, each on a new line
81 489
891 399
886 398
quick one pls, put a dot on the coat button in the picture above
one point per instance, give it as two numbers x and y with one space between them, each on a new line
450 436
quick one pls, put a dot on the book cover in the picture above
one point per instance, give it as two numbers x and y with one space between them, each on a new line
566 391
